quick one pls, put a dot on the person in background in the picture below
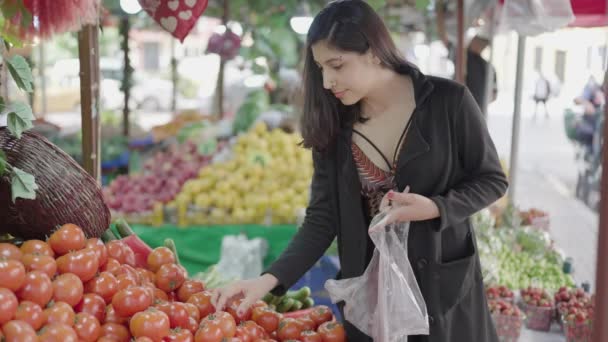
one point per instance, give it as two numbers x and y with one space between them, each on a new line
542 91
477 69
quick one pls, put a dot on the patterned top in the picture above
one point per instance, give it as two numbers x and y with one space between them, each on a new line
375 182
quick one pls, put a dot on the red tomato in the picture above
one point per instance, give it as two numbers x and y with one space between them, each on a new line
321 314
100 250
8 251
112 265
121 252
224 321
59 312
209 333
40 262
30 313
92 304
170 277
266 318
125 281
8 305
158 257
37 288
306 323
132 300
289 329
253 329
37 247
179 335
67 238
232 308
188 288
332 332
68 288
193 311
146 276
53 332
113 317
310 336
82 263
177 313
259 303
150 323
118 332
104 284
12 274
202 301
18 331
192 325
87 327
141 339
160 295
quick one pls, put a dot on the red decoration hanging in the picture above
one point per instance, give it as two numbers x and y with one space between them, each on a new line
177 17
50 17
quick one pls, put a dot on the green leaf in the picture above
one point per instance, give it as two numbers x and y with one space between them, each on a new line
20 119
21 72
2 162
23 185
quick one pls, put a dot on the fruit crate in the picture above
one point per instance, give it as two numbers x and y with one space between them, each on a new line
538 318
508 327
578 332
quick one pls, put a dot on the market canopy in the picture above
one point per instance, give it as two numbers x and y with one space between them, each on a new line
587 13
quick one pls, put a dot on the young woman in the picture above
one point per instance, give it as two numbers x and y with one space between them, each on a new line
376 126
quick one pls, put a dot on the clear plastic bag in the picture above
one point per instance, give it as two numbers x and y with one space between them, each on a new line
385 302
533 17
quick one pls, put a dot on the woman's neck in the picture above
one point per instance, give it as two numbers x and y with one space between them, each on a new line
390 92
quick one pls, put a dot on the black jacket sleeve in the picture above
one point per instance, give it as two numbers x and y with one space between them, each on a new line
484 181
314 236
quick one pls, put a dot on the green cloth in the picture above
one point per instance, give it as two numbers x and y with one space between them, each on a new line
199 246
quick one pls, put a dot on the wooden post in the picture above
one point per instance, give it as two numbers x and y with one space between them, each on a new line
124 30
460 48
600 333
88 51
220 77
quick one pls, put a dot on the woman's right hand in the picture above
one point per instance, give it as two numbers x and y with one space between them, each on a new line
250 290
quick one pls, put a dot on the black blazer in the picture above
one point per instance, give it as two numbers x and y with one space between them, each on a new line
449 157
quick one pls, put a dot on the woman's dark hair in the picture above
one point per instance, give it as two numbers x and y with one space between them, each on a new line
348 25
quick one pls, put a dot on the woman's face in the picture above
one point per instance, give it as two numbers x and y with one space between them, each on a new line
348 75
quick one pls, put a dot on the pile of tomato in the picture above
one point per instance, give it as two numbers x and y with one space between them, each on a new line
69 288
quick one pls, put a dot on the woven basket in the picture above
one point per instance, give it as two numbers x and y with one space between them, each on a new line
66 193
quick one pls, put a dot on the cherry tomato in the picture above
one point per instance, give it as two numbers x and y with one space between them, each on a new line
266 318
82 263
8 305
92 304
100 250
332 332
158 257
202 301
12 274
36 247
118 332
232 308
112 266
179 335
57 332
289 329
104 284
37 288
40 262
177 313
8 251
18 331
224 321
150 323
67 238
113 317
310 336
321 314
59 312
30 313
87 327
209 333
68 288
188 288
132 300
170 277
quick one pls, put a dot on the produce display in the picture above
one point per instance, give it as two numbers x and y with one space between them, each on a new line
575 313
508 320
291 301
172 128
163 176
539 309
266 181
499 292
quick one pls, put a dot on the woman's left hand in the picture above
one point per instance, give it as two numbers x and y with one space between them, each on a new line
407 207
